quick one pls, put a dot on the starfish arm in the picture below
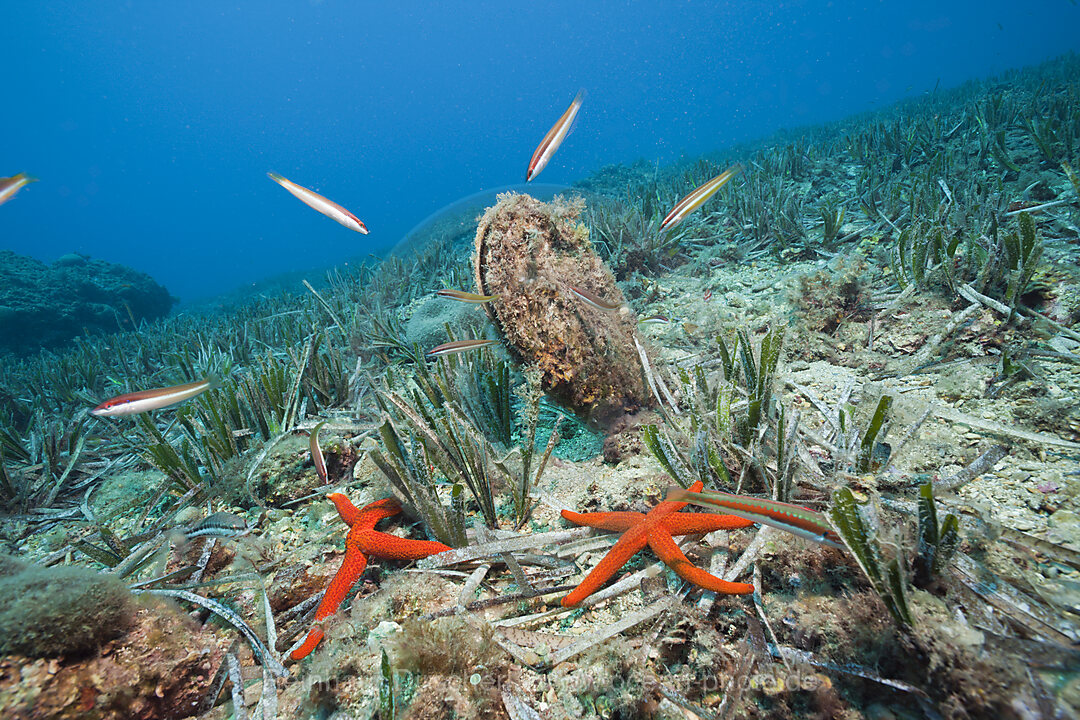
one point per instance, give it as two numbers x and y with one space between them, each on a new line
339 587
624 549
372 513
391 547
617 521
348 512
367 516
314 637
685 524
665 548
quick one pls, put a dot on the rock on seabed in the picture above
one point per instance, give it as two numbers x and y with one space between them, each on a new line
46 306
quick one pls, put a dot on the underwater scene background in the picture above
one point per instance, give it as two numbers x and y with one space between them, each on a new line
665 360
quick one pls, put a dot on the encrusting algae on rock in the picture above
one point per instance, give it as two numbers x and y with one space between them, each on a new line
538 259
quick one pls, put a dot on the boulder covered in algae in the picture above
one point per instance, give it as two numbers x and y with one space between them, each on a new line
162 667
45 306
537 258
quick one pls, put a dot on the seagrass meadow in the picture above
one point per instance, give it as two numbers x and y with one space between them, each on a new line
877 320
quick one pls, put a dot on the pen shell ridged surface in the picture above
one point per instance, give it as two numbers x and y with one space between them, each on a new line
530 254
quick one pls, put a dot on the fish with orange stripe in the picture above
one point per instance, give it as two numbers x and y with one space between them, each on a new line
11 185
315 201
155 399
697 198
554 138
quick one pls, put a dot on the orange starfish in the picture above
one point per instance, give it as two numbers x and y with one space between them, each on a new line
362 541
655 529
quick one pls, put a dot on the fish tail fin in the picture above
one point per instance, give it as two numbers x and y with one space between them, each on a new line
27 178
215 381
676 494
578 99
274 176
180 539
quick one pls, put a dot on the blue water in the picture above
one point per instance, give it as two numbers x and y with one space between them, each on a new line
152 124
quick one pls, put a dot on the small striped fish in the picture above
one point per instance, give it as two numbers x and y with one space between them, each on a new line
11 185
466 297
146 400
595 300
554 138
316 452
794 519
697 198
327 207
459 346
219 525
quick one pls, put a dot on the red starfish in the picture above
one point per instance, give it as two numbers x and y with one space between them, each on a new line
656 529
362 541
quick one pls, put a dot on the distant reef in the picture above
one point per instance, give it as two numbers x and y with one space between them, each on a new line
46 306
